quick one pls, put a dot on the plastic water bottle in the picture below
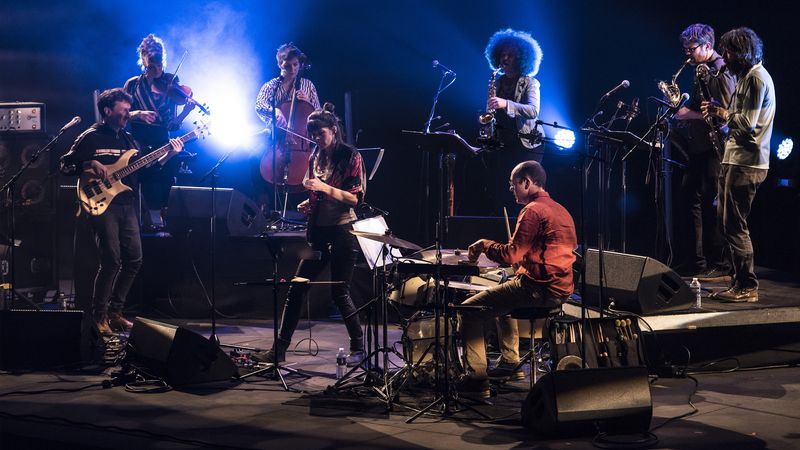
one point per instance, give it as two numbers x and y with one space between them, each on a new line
341 363
698 293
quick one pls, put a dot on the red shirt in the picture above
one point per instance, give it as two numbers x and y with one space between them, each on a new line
541 246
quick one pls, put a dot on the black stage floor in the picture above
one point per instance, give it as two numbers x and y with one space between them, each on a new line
55 410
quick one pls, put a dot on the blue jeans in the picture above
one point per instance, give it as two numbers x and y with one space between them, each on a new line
116 234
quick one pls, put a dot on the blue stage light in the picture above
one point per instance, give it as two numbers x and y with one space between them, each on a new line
785 148
565 139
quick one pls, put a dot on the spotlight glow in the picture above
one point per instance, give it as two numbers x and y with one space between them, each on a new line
785 148
565 139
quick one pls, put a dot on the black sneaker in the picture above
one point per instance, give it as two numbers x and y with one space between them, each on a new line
713 276
471 385
355 357
506 371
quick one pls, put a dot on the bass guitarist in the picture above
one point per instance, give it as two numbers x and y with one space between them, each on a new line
116 231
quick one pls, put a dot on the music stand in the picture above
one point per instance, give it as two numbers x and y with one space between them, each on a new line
276 251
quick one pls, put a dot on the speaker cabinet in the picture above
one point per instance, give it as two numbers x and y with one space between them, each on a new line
176 355
39 339
34 191
588 401
638 284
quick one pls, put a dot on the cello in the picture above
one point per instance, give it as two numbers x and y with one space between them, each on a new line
293 148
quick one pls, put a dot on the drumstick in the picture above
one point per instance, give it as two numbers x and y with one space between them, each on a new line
508 225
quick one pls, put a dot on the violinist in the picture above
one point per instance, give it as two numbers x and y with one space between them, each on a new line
336 183
156 96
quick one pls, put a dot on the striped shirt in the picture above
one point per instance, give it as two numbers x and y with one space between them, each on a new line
264 100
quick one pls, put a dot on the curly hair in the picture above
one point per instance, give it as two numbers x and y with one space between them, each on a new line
152 47
743 44
699 33
530 54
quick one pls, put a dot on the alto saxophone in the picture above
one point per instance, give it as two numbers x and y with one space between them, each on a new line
488 133
671 91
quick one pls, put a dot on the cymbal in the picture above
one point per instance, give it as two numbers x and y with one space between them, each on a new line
387 239
457 256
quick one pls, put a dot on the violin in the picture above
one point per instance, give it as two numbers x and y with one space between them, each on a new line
180 94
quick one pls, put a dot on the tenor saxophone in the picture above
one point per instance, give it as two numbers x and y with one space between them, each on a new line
671 91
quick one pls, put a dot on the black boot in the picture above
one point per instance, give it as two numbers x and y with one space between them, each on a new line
276 353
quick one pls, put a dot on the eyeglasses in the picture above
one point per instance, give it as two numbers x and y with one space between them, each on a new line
691 50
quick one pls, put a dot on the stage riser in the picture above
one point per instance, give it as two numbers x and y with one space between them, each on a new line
730 347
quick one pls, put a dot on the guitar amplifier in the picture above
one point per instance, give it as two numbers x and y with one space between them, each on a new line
22 117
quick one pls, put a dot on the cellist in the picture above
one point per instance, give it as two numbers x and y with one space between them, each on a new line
287 95
291 62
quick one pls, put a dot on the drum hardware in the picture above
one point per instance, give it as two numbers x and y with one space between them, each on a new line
373 365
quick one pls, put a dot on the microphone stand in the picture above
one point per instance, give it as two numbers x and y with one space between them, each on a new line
663 184
9 189
213 173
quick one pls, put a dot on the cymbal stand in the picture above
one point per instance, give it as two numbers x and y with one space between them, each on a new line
379 306
446 399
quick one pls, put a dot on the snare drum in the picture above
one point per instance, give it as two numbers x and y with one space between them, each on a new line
415 291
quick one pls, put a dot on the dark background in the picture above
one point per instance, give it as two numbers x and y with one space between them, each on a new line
381 52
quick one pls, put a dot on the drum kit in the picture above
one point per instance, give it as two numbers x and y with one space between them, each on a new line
420 290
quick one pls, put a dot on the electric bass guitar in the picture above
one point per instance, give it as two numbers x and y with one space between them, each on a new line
95 194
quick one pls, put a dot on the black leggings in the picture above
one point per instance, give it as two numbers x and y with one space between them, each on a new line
337 247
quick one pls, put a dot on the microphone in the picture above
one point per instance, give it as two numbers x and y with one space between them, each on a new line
623 85
683 99
633 111
437 64
75 120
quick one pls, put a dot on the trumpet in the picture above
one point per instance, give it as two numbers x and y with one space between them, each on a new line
671 91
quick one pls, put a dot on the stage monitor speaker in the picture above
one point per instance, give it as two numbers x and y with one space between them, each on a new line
176 355
587 401
39 339
190 207
637 284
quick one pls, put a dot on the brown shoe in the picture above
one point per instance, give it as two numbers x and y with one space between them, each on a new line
118 322
738 295
715 295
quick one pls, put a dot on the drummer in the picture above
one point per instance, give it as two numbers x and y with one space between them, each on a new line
541 251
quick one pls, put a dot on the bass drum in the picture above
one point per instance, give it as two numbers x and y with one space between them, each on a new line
419 338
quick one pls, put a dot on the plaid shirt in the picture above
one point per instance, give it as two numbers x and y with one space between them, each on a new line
541 246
